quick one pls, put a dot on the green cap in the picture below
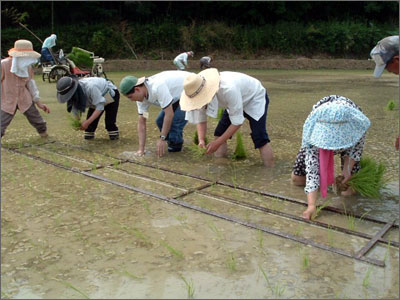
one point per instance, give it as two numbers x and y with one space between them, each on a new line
129 82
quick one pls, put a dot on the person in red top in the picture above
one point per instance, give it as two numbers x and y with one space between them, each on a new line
18 88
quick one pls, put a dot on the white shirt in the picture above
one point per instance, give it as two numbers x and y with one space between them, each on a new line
163 89
183 57
237 93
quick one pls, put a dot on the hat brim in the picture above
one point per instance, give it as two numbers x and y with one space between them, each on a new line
62 98
206 94
335 136
17 53
379 70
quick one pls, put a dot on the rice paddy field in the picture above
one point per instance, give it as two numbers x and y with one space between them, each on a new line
90 220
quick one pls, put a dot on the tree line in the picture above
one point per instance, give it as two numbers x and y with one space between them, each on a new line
158 30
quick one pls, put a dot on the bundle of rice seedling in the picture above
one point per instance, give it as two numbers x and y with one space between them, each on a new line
196 138
197 151
390 105
240 152
369 180
75 123
220 113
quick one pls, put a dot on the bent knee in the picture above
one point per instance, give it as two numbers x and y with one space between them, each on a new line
298 180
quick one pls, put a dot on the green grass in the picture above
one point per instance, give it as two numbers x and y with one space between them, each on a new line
67 284
369 180
366 279
231 262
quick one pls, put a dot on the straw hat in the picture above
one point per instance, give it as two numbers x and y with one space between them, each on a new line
23 48
334 126
199 89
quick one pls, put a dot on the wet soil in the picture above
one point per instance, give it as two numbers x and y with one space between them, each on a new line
69 235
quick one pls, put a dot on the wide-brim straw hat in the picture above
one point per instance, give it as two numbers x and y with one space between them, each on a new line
66 87
334 126
23 48
199 89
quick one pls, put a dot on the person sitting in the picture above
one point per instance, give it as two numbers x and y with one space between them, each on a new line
48 43
336 125
181 61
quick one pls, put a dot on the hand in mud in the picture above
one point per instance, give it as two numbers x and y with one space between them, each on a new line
202 144
161 147
212 147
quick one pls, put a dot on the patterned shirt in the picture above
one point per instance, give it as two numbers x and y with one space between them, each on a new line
312 152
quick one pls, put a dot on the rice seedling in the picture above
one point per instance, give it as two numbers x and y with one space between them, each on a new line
387 253
215 230
366 279
369 180
74 123
260 238
277 289
306 260
196 138
240 151
319 208
189 287
67 284
197 151
173 251
299 230
231 262
390 105
220 113
130 275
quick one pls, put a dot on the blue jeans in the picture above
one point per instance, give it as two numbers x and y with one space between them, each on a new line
175 134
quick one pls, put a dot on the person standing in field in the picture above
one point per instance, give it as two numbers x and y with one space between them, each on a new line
163 90
242 97
386 56
19 89
181 61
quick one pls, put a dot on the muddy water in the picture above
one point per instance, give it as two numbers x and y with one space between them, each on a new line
65 235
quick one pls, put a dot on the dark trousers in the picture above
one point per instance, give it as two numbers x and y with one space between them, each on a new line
111 111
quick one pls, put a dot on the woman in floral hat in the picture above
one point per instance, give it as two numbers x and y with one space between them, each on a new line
336 125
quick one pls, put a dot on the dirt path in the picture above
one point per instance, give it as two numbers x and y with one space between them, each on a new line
301 63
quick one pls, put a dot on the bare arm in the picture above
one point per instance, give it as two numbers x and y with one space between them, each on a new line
201 132
89 121
214 145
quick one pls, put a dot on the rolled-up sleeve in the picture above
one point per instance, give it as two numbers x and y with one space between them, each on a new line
235 107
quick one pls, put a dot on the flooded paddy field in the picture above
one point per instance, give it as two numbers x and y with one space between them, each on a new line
89 219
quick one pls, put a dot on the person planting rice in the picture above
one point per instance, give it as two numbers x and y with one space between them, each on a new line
336 125
96 93
386 56
205 62
241 95
164 90
18 88
181 61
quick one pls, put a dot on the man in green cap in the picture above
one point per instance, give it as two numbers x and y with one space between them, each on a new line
164 90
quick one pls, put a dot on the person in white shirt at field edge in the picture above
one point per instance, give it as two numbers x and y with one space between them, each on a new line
241 95
164 90
181 60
